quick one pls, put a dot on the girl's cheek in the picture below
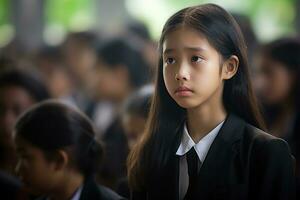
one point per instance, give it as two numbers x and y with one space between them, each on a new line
168 76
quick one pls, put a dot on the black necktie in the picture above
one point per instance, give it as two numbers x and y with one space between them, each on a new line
193 168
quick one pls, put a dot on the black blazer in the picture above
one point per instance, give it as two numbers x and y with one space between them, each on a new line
243 163
92 191
10 187
115 154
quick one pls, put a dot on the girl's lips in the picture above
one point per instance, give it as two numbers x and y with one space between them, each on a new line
183 91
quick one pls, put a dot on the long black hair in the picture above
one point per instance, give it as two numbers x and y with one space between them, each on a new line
52 126
166 117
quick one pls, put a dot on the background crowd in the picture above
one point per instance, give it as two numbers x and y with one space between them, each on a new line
109 76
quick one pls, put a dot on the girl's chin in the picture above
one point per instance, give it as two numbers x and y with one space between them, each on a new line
189 103
186 104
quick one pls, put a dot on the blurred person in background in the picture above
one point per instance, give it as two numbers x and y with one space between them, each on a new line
119 71
19 90
278 82
139 31
58 158
79 55
134 117
57 77
15 52
135 113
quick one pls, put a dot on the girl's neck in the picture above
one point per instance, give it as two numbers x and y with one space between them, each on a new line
68 187
202 119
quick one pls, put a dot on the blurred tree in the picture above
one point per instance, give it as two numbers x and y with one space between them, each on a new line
72 14
271 18
6 29
67 15
4 12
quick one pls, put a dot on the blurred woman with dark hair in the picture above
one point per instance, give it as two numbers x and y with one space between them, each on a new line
278 85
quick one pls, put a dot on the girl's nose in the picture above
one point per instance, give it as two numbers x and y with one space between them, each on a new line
183 73
179 77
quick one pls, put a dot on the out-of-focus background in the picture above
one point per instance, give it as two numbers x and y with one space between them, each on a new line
100 56
35 22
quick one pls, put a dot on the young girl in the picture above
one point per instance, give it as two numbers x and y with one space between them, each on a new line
58 154
201 140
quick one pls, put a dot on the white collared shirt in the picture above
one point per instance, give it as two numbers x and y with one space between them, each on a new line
77 194
201 148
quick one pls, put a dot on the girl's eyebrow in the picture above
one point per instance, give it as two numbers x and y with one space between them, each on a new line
170 50
194 48
167 51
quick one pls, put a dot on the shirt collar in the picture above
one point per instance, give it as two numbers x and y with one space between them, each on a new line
202 146
77 194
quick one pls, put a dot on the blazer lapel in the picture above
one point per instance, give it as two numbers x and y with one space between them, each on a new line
166 184
174 167
219 158
174 178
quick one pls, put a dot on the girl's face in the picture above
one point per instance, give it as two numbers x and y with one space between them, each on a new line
36 172
191 67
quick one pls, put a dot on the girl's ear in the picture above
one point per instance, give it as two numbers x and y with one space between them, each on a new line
61 160
230 67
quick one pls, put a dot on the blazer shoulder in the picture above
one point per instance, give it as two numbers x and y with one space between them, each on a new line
108 194
258 135
270 163
93 190
264 142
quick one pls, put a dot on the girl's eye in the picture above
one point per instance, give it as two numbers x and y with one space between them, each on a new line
170 61
196 59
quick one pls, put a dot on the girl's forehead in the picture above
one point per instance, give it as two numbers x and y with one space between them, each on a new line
185 37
